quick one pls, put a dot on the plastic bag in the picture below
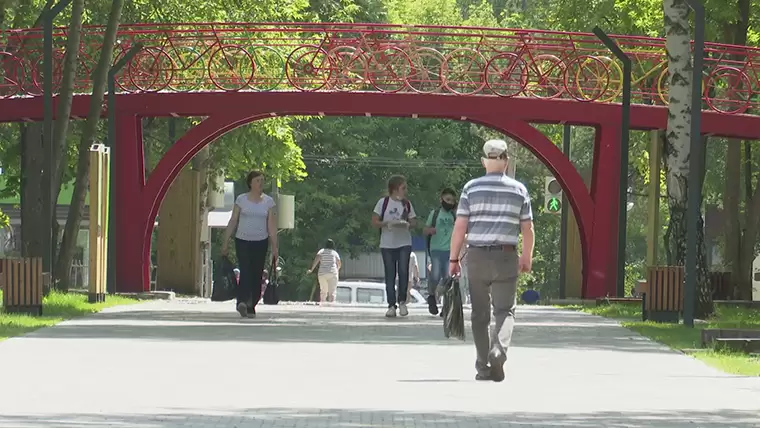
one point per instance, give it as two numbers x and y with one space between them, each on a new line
453 312
225 281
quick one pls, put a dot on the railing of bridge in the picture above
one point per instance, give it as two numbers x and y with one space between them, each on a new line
459 61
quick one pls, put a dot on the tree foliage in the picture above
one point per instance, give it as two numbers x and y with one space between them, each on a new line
337 167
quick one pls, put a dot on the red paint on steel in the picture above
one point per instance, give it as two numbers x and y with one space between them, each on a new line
469 61
201 104
233 74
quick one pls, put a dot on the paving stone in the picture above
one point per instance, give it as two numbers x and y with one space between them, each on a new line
192 363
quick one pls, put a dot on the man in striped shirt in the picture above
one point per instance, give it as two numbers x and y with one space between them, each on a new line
493 210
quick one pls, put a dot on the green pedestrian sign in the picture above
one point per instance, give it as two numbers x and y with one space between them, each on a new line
553 205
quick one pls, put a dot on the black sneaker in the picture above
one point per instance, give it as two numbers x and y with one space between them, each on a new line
242 309
496 360
483 376
251 312
432 305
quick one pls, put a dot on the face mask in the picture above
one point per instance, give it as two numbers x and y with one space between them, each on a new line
447 206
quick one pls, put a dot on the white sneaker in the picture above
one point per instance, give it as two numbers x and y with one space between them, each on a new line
402 309
391 313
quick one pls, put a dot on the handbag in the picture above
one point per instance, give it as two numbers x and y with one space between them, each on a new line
224 281
271 296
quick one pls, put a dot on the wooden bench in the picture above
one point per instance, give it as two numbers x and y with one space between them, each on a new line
663 294
23 284
737 344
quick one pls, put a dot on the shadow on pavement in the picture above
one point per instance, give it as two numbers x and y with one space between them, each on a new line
536 327
350 418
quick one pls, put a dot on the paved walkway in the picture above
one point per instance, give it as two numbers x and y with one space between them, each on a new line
195 364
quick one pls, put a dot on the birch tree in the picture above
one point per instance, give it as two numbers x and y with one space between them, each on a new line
677 148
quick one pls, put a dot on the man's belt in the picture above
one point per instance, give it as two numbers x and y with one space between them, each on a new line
503 247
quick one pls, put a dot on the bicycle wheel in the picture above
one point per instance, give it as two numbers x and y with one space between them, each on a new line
506 75
586 78
121 79
231 68
349 69
729 90
308 68
270 68
37 70
189 71
662 88
549 83
615 87
150 70
12 75
426 74
464 71
388 69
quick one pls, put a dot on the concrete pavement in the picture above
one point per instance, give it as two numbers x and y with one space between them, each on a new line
192 363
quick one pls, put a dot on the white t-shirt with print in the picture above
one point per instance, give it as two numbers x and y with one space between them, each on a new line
394 236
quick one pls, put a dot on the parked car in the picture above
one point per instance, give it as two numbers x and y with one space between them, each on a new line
368 292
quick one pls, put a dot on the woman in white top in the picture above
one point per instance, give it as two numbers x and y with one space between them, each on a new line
255 227
394 215
329 265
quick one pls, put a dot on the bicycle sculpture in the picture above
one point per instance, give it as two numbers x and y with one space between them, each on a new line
379 58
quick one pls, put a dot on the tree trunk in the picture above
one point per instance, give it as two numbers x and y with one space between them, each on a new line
735 32
731 212
32 156
677 148
32 219
747 250
74 218
60 129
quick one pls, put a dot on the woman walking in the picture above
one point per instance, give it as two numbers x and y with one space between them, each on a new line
394 215
329 266
255 227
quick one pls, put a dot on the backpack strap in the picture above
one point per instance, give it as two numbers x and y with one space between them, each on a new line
385 207
432 224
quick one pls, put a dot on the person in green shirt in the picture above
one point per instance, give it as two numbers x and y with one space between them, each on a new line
438 228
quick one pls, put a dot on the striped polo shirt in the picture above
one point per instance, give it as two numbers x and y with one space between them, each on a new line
495 204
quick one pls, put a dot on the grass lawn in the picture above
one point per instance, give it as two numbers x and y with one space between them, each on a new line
688 340
57 307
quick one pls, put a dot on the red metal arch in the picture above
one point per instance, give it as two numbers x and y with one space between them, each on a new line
134 234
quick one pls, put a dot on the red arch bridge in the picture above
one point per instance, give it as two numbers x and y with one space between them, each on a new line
236 73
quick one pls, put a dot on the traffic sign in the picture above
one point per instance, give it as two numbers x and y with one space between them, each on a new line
554 205
552 196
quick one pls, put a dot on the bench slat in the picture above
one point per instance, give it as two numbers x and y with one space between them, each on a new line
22 281
664 297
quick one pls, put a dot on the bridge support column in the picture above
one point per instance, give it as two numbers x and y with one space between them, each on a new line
131 229
600 279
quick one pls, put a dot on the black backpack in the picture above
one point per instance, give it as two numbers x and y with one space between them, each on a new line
407 210
432 224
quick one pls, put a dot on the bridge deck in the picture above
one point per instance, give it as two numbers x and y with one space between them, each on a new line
195 364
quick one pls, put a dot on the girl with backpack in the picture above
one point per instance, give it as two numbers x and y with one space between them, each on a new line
394 216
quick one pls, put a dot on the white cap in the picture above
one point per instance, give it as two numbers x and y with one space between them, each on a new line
494 149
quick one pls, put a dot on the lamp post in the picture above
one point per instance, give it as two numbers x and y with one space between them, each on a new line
694 199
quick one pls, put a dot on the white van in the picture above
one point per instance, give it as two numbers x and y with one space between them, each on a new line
368 292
